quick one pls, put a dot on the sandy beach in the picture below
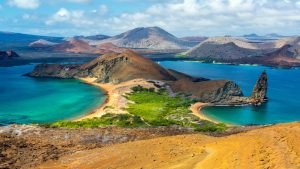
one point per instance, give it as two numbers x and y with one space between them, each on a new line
115 102
196 109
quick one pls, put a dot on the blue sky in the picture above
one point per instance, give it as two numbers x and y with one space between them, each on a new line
179 17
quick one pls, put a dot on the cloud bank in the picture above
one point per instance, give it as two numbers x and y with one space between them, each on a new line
180 17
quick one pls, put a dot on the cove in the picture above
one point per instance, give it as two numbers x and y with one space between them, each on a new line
283 92
25 100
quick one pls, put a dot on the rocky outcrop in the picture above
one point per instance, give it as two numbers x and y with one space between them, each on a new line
259 93
211 91
5 55
55 71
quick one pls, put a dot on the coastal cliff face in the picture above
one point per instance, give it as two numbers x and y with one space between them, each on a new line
212 91
55 71
259 93
116 68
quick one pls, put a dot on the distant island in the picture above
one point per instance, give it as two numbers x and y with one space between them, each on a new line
269 50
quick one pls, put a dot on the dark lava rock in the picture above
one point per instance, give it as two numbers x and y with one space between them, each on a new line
259 93
4 55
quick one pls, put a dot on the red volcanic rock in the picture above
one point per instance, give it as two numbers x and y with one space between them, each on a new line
75 46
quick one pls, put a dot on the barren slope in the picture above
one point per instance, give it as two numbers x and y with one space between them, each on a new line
270 147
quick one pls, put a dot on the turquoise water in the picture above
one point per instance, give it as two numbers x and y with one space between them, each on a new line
283 92
26 100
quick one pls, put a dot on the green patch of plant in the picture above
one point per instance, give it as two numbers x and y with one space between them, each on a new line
120 120
149 108
159 109
180 55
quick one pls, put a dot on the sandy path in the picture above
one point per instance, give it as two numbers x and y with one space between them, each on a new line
115 102
270 147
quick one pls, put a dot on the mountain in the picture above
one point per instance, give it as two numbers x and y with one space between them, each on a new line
25 38
93 37
283 57
267 37
81 46
252 35
41 43
147 38
109 68
74 46
197 39
224 49
281 52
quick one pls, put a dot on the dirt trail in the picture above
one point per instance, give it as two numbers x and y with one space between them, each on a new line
270 147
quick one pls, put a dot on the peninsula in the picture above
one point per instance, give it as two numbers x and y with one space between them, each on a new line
118 73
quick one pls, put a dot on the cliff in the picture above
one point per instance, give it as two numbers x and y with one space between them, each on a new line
212 91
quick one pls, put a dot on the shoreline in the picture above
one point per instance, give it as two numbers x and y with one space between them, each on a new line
196 109
115 102
97 112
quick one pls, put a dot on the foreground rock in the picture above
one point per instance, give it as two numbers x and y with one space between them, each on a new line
116 68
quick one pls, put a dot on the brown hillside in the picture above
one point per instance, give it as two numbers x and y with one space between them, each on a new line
122 67
74 46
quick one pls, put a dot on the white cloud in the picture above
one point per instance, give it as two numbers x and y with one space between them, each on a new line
26 4
192 17
63 15
210 17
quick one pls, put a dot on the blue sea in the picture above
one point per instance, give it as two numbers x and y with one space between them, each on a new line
283 92
26 100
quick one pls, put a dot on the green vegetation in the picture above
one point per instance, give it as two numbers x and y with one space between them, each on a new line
149 108
159 109
121 120
180 55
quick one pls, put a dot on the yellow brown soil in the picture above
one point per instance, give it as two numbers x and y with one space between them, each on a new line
269 147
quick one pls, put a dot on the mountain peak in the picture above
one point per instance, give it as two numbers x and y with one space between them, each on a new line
147 37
